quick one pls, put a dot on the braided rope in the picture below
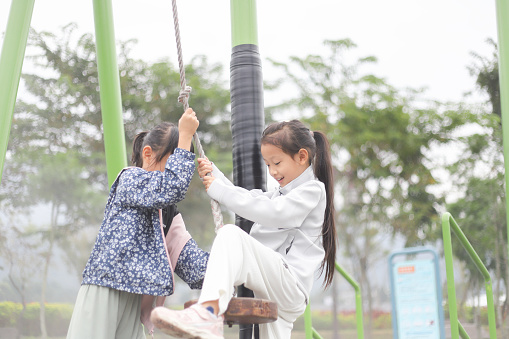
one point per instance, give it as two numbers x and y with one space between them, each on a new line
184 99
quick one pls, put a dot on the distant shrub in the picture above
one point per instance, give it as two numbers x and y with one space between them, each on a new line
9 313
58 317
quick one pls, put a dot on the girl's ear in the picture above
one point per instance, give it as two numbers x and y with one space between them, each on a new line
146 154
303 156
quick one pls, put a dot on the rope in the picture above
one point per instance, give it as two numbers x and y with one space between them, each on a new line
184 93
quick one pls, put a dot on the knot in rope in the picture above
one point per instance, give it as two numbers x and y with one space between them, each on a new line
184 95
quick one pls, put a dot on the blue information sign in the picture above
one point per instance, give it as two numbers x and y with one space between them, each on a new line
416 296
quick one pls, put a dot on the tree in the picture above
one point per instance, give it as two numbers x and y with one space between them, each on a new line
58 184
21 260
381 144
479 177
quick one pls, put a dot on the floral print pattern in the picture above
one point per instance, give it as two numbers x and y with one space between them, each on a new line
129 252
191 265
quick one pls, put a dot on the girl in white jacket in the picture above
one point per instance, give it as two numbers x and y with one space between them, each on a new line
293 235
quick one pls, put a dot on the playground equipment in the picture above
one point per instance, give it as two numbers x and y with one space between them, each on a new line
246 311
457 329
311 333
248 167
503 69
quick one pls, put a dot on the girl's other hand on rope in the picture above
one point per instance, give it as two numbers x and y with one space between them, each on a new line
207 181
204 167
188 124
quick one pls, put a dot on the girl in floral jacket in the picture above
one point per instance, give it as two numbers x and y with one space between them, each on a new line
142 240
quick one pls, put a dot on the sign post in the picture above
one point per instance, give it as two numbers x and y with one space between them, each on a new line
416 295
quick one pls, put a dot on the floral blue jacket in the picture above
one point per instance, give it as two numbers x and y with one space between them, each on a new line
129 252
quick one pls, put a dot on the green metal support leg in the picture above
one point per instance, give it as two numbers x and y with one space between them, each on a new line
503 69
449 225
11 62
311 333
109 82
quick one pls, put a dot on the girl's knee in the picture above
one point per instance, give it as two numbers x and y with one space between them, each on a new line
229 228
229 231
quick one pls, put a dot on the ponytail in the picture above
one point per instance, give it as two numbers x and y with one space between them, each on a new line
323 171
136 157
163 139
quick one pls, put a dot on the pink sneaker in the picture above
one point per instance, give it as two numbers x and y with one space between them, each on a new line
195 322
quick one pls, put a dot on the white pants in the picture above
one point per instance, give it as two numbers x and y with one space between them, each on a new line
235 259
104 313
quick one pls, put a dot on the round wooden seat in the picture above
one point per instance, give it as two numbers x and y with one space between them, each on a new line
247 311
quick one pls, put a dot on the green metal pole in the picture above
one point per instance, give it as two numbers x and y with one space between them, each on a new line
358 300
456 328
308 325
451 290
503 69
11 62
109 83
243 20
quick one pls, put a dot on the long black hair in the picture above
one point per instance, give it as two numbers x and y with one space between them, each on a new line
163 139
290 137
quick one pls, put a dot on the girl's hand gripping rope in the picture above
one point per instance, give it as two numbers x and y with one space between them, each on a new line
205 172
188 124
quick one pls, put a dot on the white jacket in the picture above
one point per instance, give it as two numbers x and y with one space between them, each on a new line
288 220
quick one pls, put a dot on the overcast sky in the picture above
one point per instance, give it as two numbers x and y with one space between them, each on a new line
417 43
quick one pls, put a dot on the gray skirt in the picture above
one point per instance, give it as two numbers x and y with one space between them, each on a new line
105 313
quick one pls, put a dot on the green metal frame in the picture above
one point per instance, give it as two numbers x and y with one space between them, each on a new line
311 333
503 70
243 22
109 87
457 329
11 62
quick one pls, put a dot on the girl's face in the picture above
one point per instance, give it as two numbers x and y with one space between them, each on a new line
283 167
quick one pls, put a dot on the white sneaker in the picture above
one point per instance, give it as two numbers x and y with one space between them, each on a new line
195 322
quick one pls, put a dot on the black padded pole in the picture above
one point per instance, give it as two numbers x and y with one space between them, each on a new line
247 123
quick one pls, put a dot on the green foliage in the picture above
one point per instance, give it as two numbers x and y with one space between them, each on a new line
58 317
485 70
479 175
481 215
466 314
9 312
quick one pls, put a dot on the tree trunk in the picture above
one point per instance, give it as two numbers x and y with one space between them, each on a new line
21 291
42 313
47 261
367 292
477 308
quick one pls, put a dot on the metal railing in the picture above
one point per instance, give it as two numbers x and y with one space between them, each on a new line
457 329
311 333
